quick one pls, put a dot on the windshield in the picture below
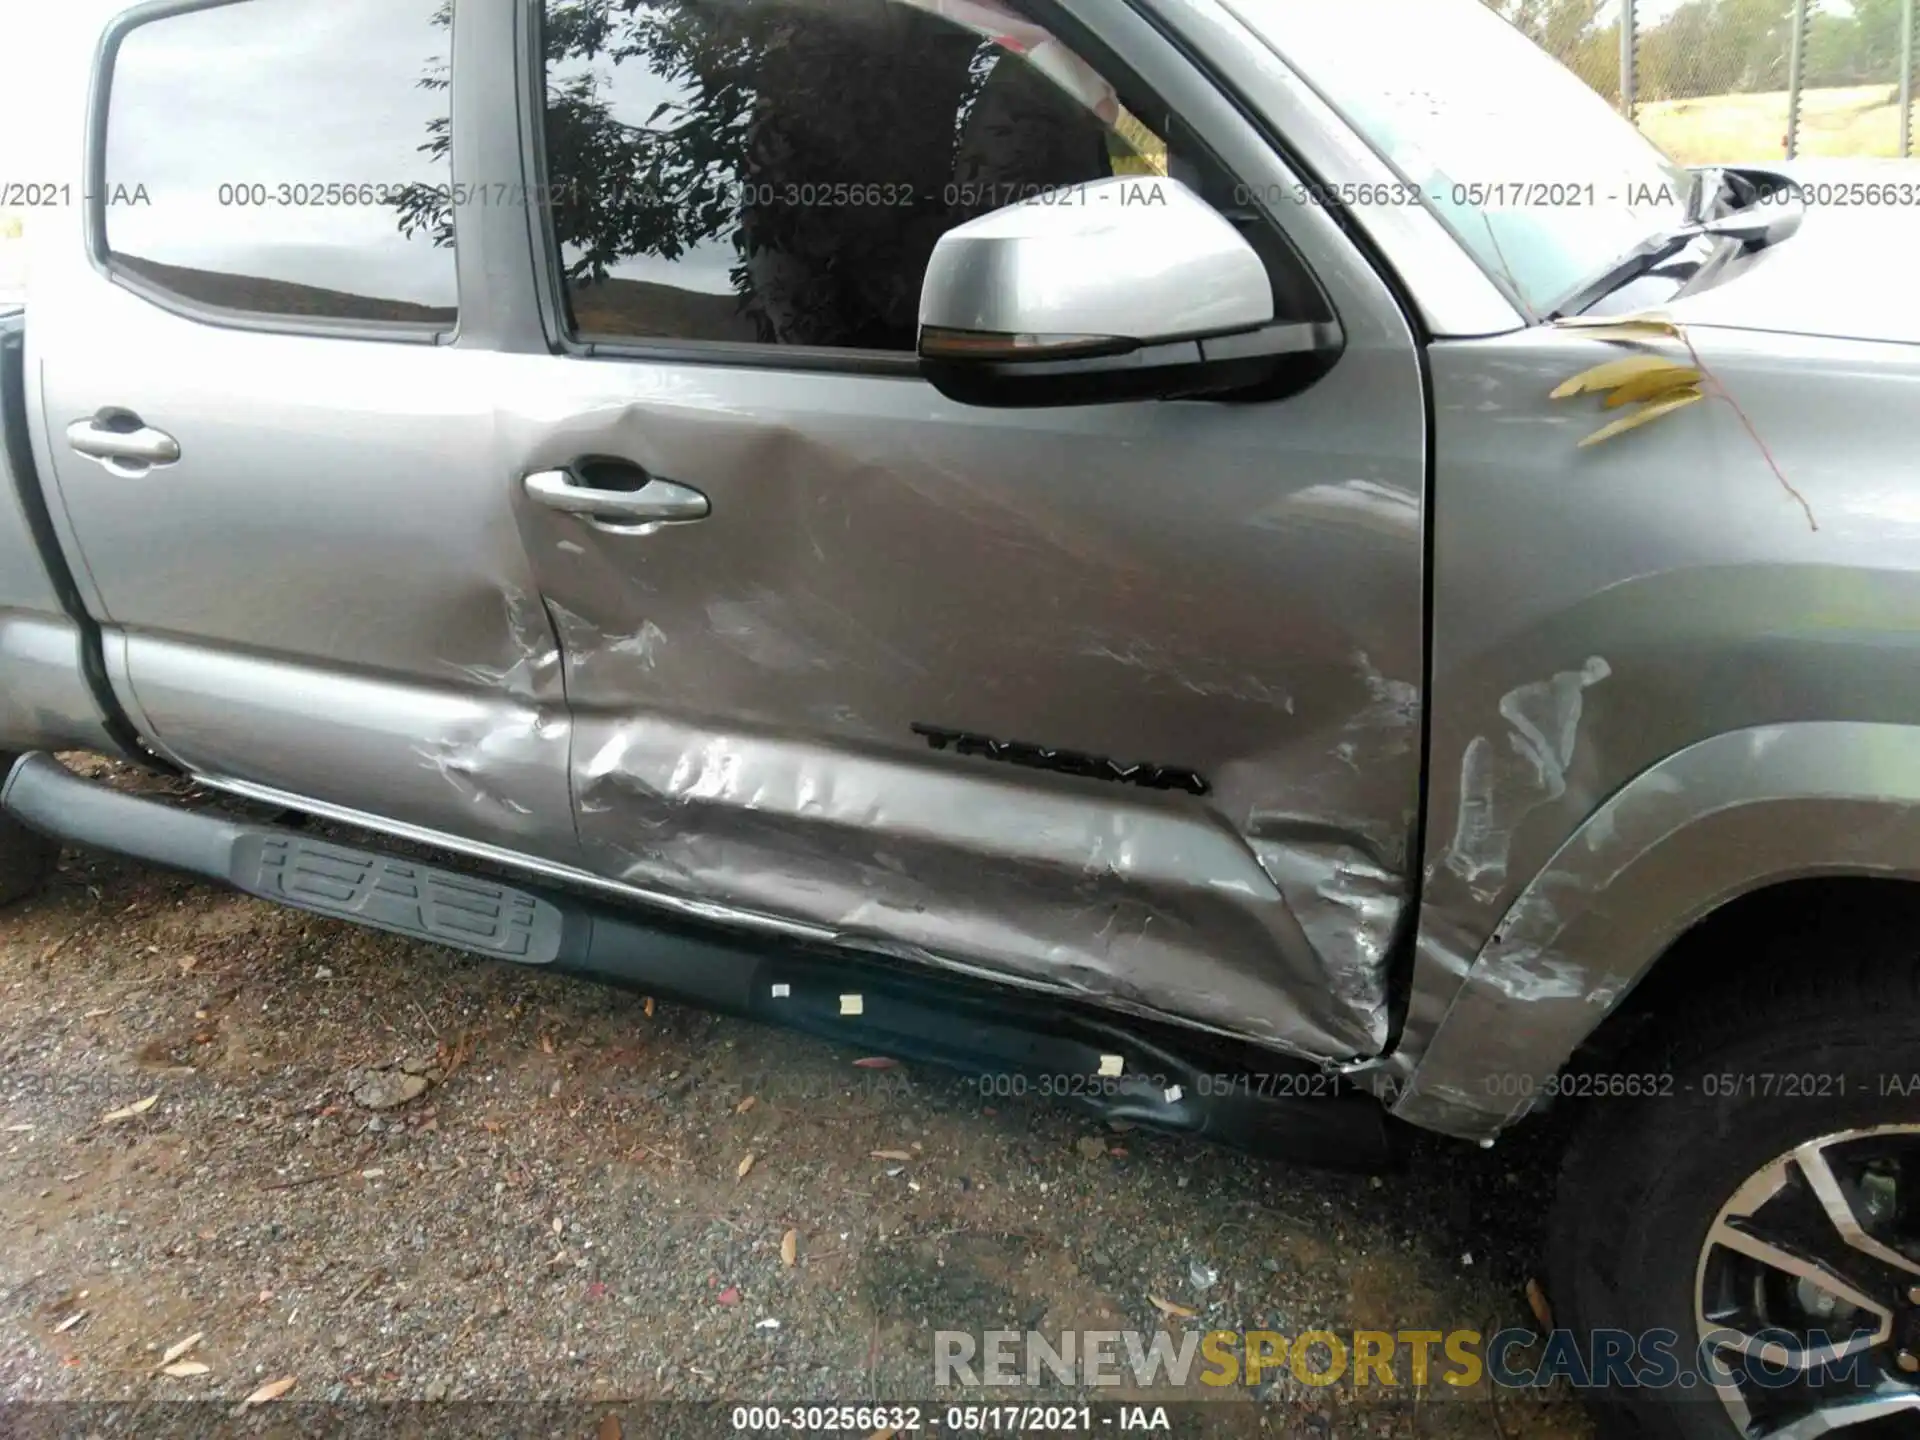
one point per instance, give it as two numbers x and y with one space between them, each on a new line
1534 172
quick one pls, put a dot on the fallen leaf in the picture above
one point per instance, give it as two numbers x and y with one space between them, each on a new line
1652 411
1537 1301
728 1296
272 1390
185 1369
1653 384
558 1224
890 1154
609 1427
1167 1307
72 1320
745 1165
546 1043
139 1107
174 1352
886 1434
187 962
1622 327
1613 372
789 1248
746 1105
648 1007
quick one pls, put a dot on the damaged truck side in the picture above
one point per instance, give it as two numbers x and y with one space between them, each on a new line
1060 559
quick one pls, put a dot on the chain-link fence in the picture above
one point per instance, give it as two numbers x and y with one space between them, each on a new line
1731 80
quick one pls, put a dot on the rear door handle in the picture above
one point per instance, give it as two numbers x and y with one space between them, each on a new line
122 442
652 501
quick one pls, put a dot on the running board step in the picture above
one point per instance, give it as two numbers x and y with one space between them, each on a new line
1012 1042
289 868
483 916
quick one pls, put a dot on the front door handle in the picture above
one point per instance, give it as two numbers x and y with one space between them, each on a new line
652 502
122 442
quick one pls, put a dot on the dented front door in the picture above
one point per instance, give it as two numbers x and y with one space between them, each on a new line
1121 700
796 706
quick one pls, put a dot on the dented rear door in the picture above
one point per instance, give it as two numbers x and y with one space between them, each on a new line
270 440
1122 700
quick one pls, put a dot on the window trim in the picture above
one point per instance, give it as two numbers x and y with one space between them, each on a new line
530 62
100 254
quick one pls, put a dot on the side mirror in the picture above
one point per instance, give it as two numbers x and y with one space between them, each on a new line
1127 288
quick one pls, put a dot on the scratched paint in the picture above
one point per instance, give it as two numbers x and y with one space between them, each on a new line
1501 785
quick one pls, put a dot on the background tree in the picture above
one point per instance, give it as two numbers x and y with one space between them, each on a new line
1570 31
1718 47
423 208
792 93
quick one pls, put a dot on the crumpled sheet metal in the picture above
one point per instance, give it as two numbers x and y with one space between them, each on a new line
482 756
496 747
1239 601
1142 905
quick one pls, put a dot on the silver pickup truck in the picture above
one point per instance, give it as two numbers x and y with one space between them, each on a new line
1119 541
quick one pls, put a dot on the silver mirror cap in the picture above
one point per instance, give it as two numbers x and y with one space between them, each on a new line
1133 257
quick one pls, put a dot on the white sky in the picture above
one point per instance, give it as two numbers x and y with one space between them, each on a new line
36 37
46 46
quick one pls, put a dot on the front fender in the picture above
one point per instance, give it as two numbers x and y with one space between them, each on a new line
1714 821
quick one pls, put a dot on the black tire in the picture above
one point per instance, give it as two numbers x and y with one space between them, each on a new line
1644 1179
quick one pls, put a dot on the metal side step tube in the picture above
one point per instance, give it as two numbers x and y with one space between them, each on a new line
1014 1042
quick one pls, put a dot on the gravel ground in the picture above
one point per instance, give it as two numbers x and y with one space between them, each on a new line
600 1201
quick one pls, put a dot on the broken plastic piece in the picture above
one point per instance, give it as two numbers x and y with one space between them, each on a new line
1173 1093
1111 1064
852 1005
781 992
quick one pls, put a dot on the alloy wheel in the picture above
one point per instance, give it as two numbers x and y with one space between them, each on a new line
1808 1289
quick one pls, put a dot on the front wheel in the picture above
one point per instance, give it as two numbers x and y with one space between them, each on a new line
1765 1214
